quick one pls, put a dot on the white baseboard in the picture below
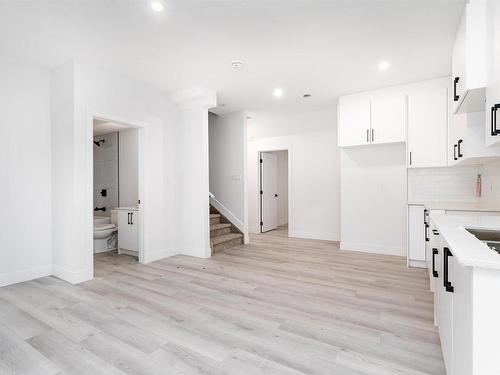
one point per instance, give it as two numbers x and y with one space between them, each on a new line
196 252
417 264
159 254
73 277
373 248
228 214
10 278
313 235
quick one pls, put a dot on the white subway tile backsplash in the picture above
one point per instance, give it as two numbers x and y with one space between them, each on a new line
443 184
491 183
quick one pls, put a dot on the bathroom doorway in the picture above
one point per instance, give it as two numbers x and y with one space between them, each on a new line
117 224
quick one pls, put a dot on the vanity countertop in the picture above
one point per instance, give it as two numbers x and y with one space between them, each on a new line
468 250
129 208
458 206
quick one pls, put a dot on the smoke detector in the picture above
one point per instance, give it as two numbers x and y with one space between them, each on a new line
237 64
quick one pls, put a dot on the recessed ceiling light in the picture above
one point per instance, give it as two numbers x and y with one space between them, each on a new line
278 93
157 6
237 64
383 65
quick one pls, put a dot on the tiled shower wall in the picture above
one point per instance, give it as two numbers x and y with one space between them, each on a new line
443 184
106 173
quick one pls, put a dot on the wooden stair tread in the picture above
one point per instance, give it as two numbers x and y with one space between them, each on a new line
225 238
219 226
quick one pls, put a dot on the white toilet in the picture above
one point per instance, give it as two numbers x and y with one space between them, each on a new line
104 232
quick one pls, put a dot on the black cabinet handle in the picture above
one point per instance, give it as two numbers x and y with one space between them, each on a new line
373 135
410 157
426 232
494 130
455 96
446 283
460 155
436 233
455 152
367 135
132 218
128 218
434 253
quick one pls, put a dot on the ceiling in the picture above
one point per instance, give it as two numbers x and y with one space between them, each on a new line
323 48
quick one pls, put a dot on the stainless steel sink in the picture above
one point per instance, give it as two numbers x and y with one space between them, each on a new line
485 234
490 237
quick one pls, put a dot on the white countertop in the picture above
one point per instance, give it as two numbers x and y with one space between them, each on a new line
129 208
458 206
468 250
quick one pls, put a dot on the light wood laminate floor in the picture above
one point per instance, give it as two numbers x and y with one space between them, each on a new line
275 306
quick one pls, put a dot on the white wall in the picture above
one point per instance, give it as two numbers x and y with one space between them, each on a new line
25 171
373 199
128 167
314 170
282 186
191 209
227 155
79 91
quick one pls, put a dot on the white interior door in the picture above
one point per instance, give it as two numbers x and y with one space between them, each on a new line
269 191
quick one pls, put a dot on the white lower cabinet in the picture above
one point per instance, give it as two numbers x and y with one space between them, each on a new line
462 319
128 231
445 311
453 311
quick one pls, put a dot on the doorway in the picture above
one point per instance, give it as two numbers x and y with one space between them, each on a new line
273 191
117 224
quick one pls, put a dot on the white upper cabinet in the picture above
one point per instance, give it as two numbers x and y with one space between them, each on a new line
388 115
492 123
354 120
466 140
427 128
371 119
470 59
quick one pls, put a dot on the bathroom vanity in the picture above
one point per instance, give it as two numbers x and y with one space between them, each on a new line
129 220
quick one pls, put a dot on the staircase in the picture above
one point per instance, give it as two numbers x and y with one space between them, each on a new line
223 235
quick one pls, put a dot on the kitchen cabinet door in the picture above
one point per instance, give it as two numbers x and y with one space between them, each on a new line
354 120
427 128
469 59
416 233
388 119
445 311
462 319
492 123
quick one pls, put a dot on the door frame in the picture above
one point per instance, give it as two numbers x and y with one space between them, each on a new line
142 127
259 183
